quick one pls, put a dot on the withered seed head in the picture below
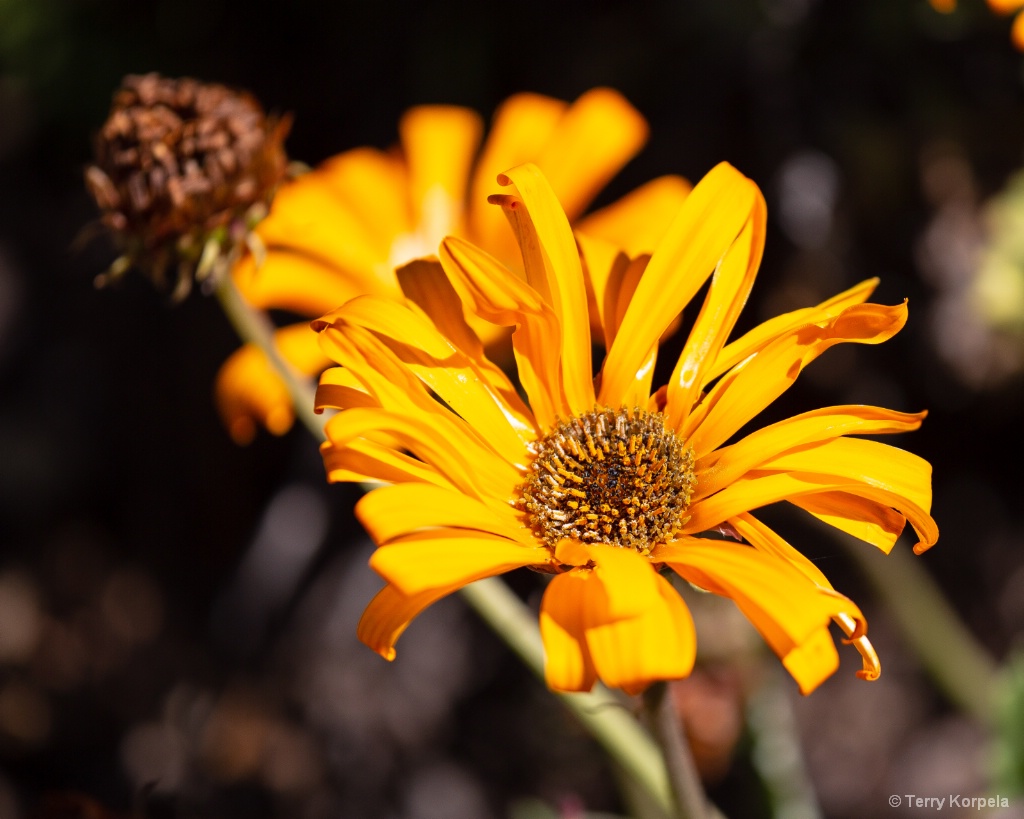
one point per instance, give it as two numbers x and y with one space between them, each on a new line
179 162
609 476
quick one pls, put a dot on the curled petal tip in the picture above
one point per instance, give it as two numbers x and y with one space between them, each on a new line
505 200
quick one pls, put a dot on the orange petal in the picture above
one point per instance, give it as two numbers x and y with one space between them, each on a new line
900 479
369 461
439 142
638 221
760 336
373 185
444 443
249 392
721 467
602 261
553 269
709 221
425 284
869 520
726 297
389 613
374 366
1017 31
393 511
288 280
447 557
497 295
632 653
1005 6
872 668
884 475
597 136
339 389
521 126
626 575
451 375
766 540
750 387
567 662
789 611
309 218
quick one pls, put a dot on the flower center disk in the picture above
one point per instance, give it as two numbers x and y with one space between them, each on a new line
609 476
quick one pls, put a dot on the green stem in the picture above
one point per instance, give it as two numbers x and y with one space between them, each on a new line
959 665
776 751
690 801
600 712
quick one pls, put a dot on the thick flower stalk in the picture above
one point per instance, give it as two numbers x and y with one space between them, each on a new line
611 485
341 230
183 171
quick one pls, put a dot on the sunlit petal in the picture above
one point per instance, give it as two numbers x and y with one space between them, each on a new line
439 143
567 662
598 134
424 282
522 125
369 461
760 336
766 540
658 644
287 280
499 296
872 521
553 269
447 557
638 221
602 261
393 511
749 388
789 611
708 222
373 185
626 575
439 441
721 467
442 367
726 297
340 389
389 614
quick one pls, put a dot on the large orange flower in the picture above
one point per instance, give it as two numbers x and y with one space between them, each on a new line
603 482
341 230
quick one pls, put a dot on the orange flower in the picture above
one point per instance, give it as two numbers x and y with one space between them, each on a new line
605 482
341 230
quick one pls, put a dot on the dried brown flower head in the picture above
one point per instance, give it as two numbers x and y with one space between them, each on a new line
183 170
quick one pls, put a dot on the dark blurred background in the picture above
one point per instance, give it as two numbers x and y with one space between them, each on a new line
177 614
